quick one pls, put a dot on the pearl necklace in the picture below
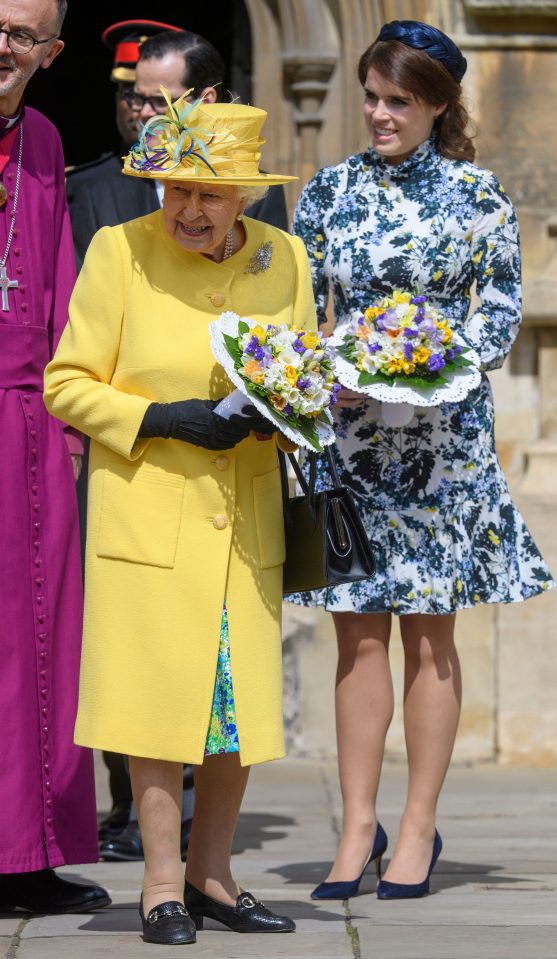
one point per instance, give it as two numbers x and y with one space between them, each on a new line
228 245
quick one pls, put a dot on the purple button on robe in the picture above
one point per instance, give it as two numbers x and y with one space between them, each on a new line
47 798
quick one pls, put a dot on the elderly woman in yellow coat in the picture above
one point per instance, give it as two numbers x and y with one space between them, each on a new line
182 647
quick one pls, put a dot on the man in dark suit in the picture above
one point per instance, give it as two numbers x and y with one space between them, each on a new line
98 194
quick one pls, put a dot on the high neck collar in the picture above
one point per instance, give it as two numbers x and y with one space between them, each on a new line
423 154
11 123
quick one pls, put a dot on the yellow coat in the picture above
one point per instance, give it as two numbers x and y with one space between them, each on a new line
174 530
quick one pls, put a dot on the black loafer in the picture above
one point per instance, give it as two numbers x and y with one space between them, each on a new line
127 847
248 915
168 924
46 893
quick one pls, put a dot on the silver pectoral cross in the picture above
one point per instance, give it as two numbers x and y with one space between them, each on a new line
5 285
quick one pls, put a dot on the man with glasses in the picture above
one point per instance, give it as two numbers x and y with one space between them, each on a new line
47 796
98 194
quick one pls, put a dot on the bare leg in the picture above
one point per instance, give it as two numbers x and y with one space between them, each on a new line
432 697
157 794
219 789
364 709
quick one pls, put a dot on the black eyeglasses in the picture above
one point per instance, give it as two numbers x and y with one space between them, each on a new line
20 42
137 101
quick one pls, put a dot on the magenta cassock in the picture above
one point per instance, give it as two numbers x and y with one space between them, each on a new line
47 799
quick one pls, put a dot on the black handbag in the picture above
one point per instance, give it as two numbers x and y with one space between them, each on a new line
326 543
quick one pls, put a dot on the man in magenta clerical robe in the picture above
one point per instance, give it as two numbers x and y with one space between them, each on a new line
47 797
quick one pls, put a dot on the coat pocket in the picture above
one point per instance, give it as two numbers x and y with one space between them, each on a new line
269 520
140 517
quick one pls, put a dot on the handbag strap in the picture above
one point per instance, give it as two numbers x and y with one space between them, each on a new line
332 468
307 485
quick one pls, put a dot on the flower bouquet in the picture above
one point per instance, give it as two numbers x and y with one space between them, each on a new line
285 372
402 351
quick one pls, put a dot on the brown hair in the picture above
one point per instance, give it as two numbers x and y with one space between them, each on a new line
428 81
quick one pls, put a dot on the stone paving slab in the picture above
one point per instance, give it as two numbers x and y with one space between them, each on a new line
456 942
210 945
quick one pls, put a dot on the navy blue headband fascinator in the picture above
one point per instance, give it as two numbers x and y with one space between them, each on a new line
432 41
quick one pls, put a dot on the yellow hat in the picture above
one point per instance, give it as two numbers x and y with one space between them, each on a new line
204 142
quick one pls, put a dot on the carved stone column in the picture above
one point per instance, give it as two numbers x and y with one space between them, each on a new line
307 80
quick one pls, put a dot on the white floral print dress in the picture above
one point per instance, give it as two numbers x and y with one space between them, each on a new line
432 494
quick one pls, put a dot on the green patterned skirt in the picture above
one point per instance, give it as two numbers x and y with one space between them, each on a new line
222 735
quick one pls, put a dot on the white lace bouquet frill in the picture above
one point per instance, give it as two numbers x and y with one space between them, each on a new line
403 352
285 372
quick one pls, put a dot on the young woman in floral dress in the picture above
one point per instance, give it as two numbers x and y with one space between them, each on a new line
414 213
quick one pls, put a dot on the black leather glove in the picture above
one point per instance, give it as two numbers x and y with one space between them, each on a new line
253 420
193 421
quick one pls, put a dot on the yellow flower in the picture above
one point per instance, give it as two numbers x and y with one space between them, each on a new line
502 218
399 297
407 367
438 274
375 438
468 178
459 586
493 537
279 402
471 466
260 333
422 354
411 594
310 341
447 332
394 366
427 591
318 255
393 523
476 597
372 312
478 256
483 194
410 245
489 271
291 374
448 249
319 237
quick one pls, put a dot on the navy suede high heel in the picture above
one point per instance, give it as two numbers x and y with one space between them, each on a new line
403 890
344 890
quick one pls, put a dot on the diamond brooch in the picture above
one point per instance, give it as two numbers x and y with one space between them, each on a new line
261 259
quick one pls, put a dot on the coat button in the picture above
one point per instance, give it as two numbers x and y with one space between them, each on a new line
222 462
217 299
220 521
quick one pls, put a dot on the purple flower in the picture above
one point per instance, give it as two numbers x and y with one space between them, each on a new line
408 351
458 348
258 353
287 409
450 354
361 321
435 362
373 347
252 346
303 382
299 347
417 300
409 332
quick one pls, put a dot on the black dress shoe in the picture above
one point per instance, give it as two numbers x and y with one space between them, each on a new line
248 915
168 924
47 893
118 818
127 847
